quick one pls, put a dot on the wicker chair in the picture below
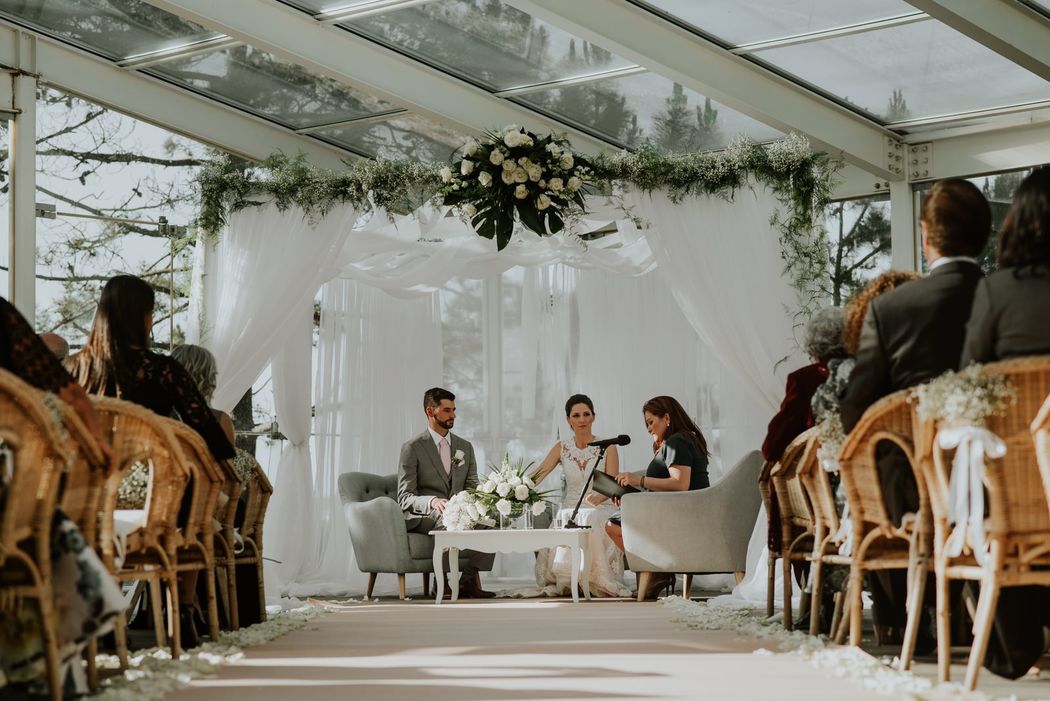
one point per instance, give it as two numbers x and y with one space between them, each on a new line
878 544
225 541
250 528
196 530
33 458
1017 526
796 517
826 526
141 437
774 546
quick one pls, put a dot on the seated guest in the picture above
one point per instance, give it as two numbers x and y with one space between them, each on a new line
1011 308
1011 318
823 343
116 362
679 464
911 335
56 344
87 599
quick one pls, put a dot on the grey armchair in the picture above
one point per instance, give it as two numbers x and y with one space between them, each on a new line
699 532
381 541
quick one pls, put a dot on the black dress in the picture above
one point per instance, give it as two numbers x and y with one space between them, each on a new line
679 450
25 355
160 384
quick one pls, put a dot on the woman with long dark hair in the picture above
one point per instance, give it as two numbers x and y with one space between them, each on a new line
679 463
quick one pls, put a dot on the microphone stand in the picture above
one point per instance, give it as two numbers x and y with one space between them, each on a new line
590 476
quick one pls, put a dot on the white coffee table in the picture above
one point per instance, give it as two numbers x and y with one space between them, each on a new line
515 541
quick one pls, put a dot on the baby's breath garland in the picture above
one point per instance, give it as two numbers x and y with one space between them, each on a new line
800 179
965 398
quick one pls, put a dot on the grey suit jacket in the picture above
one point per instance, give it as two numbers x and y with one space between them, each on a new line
1010 316
421 476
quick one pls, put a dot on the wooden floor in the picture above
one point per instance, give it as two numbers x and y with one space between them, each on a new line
528 649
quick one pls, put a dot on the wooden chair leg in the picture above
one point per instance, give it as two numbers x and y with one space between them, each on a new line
213 603
231 579
222 587
426 584
916 592
643 584
817 570
90 652
50 644
836 617
842 632
739 576
687 587
982 629
788 623
157 609
371 584
401 585
771 583
173 615
259 576
120 632
856 613
944 629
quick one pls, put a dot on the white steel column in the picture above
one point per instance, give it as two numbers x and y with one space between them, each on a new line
492 321
22 198
904 238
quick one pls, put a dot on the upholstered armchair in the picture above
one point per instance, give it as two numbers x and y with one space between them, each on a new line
382 543
698 532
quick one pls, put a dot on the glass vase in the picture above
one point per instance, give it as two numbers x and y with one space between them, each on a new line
519 518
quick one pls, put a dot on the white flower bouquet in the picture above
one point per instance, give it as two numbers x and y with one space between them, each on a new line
515 174
964 398
508 491
463 512
832 436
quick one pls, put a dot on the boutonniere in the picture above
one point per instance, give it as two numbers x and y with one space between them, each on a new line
458 458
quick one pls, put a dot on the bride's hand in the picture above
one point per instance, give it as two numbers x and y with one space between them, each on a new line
594 499
628 479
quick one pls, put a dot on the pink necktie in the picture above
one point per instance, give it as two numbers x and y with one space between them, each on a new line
446 455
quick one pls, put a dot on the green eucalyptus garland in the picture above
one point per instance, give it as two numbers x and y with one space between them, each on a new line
800 179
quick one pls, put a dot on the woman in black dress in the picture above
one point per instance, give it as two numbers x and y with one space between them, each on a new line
679 462
116 362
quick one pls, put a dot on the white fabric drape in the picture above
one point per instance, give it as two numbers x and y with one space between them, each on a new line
291 529
268 266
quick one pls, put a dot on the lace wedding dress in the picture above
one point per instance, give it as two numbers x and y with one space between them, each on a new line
554 565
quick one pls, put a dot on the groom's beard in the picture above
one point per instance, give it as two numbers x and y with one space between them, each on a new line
447 425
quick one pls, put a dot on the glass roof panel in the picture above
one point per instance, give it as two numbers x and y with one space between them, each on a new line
261 82
910 71
404 137
114 28
1044 4
647 106
488 42
737 22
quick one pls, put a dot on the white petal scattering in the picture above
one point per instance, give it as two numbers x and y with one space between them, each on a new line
152 673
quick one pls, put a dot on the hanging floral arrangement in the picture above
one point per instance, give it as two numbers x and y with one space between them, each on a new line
515 175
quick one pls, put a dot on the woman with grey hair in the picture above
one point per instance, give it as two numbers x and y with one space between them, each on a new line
200 365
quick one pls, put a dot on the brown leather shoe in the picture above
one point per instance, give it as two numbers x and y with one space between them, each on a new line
470 589
446 596
657 584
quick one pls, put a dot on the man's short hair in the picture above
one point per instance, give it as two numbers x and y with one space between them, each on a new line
435 395
957 217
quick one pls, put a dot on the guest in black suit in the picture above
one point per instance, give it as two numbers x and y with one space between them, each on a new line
911 335
1011 318
1011 308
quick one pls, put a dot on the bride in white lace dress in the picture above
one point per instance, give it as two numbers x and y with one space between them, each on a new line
553 565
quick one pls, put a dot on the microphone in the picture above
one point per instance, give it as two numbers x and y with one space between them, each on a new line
622 439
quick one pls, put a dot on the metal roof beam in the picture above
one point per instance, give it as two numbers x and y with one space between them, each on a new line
991 152
1008 28
694 62
103 82
343 56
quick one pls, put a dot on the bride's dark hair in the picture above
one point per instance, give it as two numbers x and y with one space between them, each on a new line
578 399
680 421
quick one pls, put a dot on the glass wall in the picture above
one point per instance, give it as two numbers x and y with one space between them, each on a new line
858 237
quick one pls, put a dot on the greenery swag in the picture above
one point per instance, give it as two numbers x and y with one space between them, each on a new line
800 179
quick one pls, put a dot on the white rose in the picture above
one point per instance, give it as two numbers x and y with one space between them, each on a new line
521 492
472 511
488 487
524 162
521 192
542 183
482 508
520 176
507 177
528 480
556 184
510 165
514 481
575 183
446 174
496 157
485 178
566 161
503 506
512 139
471 148
535 172
542 202
459 453
466 167
469 210
554 149
503 489
538 508
525 141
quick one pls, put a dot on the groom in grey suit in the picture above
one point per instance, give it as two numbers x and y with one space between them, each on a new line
434 466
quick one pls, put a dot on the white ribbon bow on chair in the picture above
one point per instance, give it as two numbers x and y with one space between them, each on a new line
966 485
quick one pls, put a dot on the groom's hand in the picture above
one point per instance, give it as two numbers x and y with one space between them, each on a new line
438 505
